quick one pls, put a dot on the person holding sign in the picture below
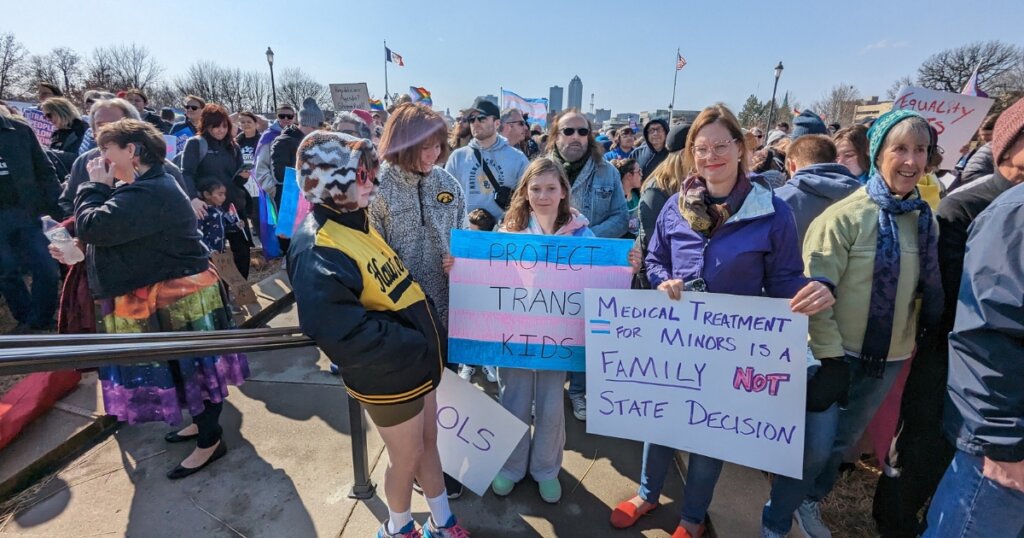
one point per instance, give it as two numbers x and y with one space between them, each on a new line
880 247
540 205
362 307
724 232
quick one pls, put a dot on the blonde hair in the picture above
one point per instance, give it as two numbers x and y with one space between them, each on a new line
517 218
668 175
63 109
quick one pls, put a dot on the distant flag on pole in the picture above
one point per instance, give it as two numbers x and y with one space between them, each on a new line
376 104
420 95
393 57
972 87
536 108
680 61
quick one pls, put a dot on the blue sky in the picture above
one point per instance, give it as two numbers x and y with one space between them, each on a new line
623 51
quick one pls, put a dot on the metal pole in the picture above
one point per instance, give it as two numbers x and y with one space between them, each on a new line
363 488
387 94
672 106
771 111
273 87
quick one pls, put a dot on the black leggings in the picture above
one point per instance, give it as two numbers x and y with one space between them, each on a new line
208 423
239 248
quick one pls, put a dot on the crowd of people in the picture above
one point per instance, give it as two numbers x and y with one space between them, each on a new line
912 277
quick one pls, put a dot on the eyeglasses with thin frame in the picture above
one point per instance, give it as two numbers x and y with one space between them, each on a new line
719 149
569 131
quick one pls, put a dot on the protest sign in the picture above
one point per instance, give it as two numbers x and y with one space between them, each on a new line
475 434
40 125
172 146
350 96
719 375
294 206
956 117
516 300
183 137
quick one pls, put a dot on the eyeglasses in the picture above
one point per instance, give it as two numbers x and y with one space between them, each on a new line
515 122
473 119
192 107
48 116
569 131
285 116
362 177
719 149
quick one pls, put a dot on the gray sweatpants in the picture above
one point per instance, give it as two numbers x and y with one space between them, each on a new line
520 389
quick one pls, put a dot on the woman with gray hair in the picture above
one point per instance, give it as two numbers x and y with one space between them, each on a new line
351 124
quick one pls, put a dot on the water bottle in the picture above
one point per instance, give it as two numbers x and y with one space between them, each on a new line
60 238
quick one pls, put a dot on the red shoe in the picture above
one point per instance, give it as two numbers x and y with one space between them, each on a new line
626 514
681 532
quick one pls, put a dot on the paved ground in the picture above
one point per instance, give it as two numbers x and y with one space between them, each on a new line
289 470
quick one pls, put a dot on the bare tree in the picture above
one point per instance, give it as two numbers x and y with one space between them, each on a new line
133 66
68 66
39 69
838 105
950 69
295 85
258 96
100 72
12 62
162 95
199 79
894 88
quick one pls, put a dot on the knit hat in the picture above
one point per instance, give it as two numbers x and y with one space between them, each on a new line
329 165
880 129
676 139
1008 128
774 136
807 123
311 115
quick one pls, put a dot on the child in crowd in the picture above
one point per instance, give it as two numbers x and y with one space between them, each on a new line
481 220
540 205
214 226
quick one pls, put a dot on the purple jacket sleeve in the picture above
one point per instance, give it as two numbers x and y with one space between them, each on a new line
659 251
784 266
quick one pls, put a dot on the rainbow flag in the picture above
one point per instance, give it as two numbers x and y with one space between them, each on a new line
420 95
376 104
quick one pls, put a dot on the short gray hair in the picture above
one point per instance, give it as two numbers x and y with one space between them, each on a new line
507 113
127 108
362 129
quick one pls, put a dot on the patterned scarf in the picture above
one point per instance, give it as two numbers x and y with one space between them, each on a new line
878 336
705 217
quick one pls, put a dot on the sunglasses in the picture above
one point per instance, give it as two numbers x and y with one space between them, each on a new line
473 119
192 107
286 116
363 178
569 131
48 116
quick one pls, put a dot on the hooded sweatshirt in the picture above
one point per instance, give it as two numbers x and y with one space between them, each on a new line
813 189
506 163
645 156
576 227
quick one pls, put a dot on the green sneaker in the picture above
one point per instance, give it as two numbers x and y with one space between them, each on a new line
550 490
502 486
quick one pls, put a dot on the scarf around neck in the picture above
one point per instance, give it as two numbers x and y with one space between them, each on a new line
878 335
701 213
572 169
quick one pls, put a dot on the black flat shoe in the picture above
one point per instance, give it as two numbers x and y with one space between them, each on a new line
173 437
182 472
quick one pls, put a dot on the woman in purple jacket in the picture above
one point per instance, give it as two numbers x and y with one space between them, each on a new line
724 232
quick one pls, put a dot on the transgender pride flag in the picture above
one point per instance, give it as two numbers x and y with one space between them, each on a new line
536 108
516 300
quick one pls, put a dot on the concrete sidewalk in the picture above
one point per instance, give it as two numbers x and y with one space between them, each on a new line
288 472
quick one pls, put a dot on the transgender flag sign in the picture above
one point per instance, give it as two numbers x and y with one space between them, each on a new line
516 300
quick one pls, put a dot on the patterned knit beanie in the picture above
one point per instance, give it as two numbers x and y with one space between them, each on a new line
880 129
330 165
1008 128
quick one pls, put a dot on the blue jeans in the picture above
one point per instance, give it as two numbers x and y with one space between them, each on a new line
863 399
577 383
701 476
967 504
24 247
788 493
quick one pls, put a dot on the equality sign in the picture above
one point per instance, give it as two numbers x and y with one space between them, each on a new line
956 117
720 375
350 96
40 125
516 300
475 434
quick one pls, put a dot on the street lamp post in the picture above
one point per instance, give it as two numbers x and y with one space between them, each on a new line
273 88
771 111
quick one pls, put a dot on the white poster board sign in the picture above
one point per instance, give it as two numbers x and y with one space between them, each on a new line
350 96
719 375
475 434
956 117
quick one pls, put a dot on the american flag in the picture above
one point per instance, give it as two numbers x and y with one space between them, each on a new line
680 61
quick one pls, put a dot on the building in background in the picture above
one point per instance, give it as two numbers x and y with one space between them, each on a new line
870 109
602 115
555 99
575 93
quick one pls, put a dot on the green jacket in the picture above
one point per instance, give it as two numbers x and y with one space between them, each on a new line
840 246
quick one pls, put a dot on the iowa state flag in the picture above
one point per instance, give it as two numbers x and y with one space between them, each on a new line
393 57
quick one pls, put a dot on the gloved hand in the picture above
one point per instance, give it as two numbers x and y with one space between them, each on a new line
829 384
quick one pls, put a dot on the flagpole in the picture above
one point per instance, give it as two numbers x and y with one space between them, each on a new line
386 93
675 78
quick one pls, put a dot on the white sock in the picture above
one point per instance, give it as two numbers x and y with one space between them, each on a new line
439 509
398 520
